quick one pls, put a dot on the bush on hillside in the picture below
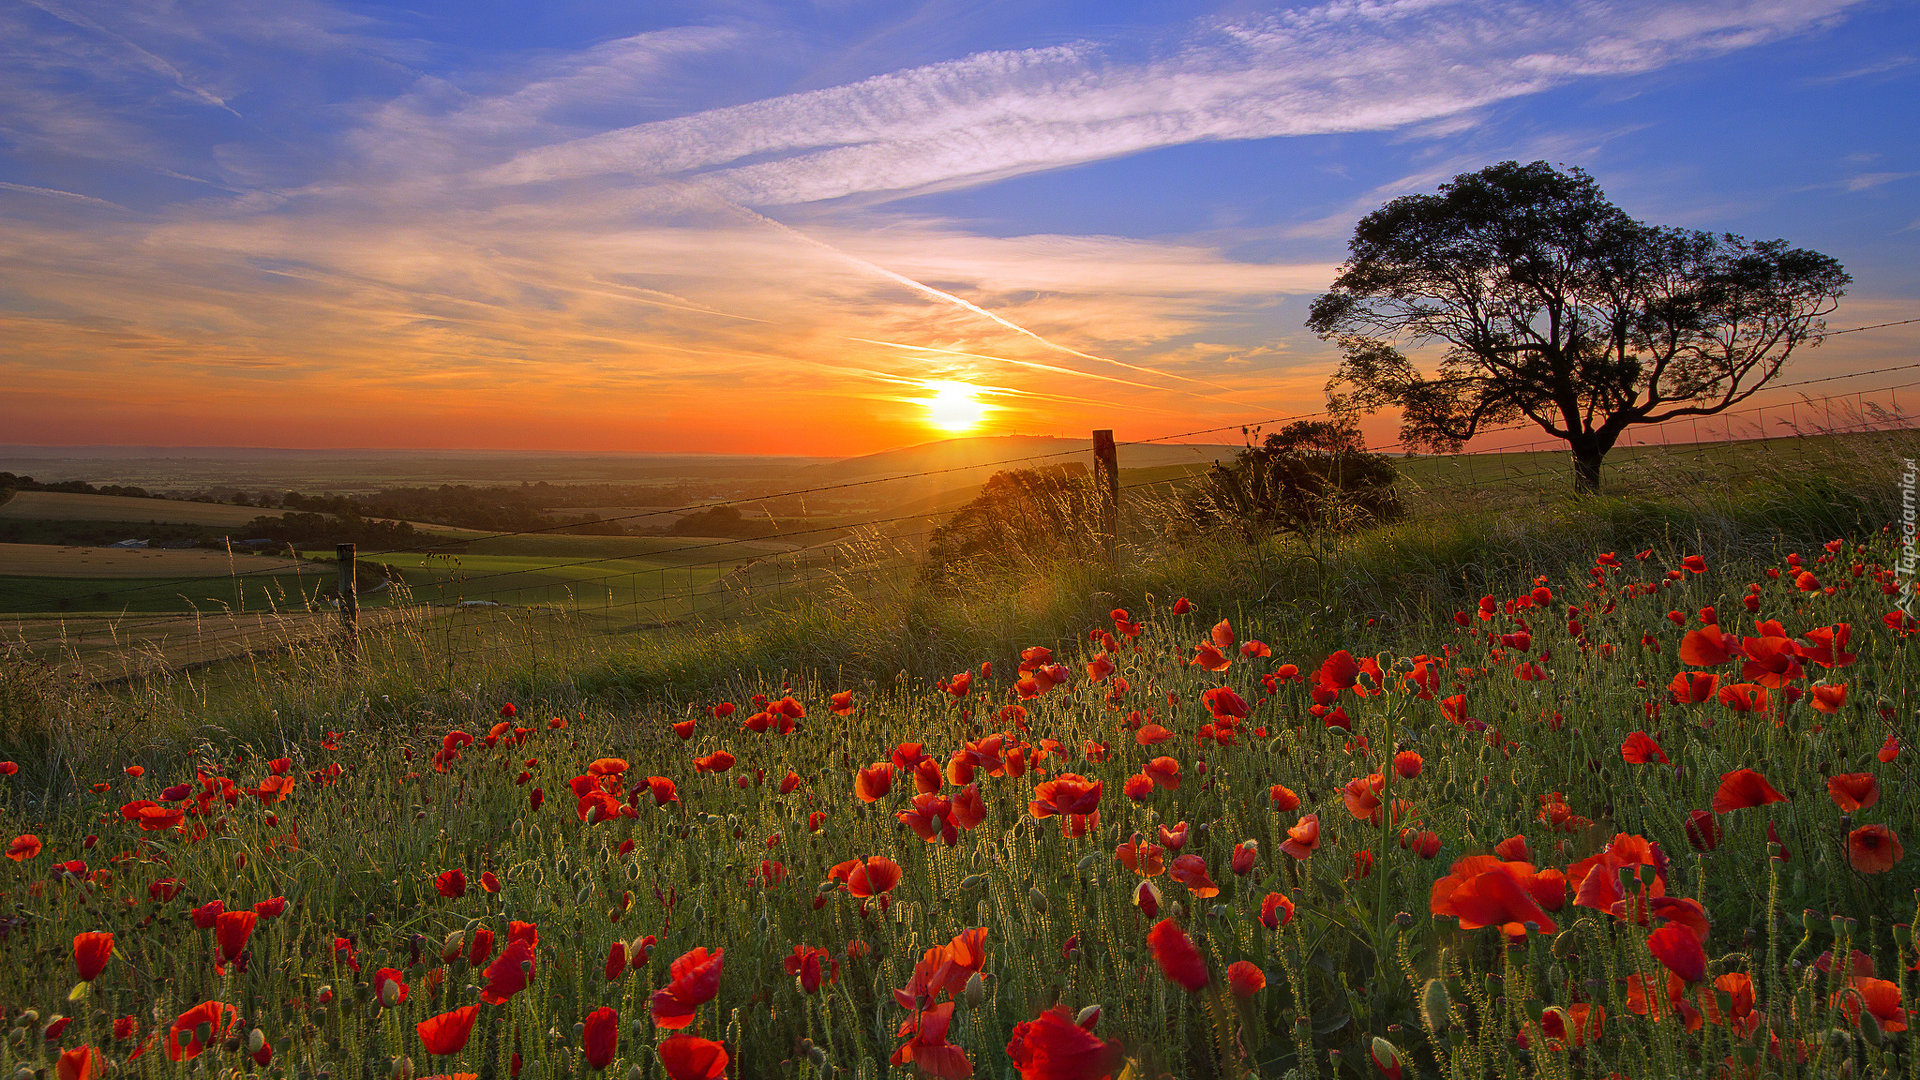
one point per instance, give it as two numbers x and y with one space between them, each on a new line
1310 476
1022 517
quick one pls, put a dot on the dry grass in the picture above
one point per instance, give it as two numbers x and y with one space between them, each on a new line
62 561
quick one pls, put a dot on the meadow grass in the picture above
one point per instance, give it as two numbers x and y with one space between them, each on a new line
736 863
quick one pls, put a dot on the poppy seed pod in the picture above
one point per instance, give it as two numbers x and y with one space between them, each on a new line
1434 1005
1037 900
975 990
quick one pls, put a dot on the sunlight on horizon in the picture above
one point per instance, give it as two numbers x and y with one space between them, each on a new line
955 407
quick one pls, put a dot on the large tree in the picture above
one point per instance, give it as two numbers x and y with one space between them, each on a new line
1548 304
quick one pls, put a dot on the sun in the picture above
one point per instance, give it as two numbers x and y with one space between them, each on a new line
955 407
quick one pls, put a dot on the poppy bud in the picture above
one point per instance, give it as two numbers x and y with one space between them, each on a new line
1434 1005
1037 899
257 1041
389 993
976 989
1087 1017
633 1071
585 894
203 1034
401 1068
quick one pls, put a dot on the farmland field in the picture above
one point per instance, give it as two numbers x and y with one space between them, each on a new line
62 506
1572 826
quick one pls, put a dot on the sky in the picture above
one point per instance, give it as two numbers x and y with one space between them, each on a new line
842 226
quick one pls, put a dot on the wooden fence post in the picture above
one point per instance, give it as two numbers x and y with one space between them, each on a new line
1106 469
349 603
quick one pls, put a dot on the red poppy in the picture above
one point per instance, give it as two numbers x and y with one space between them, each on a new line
1362 796
1853 791
80 1063
1408 763
448 1032
1876 996
1678 947
1744 697
1138 787
1244 856
1141 857
1164 772
1068 793
1211 658
696 979
451 883
1276 911
872 784
1175 953
928 1050
1303 837
383 978
1052 1046
1191 871
1640 749
1693 687
1222 702
600 1037
183 1037
481 947
842 703
23 847
1708 646
1888 750
1482 891
1703 830
1744 788
232 929
1770 661
1245 979
717 762
1284 800
874 876
509 973
91 951
1873 849
688 1057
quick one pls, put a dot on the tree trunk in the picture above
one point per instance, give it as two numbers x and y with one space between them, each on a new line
1587 455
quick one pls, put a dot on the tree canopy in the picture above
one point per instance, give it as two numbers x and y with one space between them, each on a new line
1548 304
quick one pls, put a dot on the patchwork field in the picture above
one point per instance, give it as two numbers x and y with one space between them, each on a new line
62 506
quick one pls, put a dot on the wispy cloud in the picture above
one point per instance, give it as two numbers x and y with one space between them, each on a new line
1335 68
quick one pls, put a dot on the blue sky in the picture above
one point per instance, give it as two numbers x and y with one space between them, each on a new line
764 227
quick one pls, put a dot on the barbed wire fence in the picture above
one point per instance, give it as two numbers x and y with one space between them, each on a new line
448 606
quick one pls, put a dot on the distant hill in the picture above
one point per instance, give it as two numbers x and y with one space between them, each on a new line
959 460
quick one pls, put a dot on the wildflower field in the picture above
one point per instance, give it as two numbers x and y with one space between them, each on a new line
1643 821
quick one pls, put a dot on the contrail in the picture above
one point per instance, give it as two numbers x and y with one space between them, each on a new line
968 305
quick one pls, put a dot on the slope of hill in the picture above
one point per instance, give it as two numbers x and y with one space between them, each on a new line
989 454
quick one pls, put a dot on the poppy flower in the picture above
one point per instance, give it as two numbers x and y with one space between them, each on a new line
1693 687
1211 658
1052 1046
689 1057
1887 752
928 1051
1164 772
232 929
1139 787
1828 698
1245 979
1142 857
1703 830
1744 697
873 783
600 1037
1877 997
80 1063
509 973
1172 839
1407 764
91 951
1770 661
1146 897
842 703
1744 788
1679 949
1276 911
1284 800
696 979
874 876
183 1037
448 1032
383 978
1068 793
1362 797
1873 849
1303 837
481 947
1244 856
1708 646
717 762
1639 749
1222 702
1483 891
23 847
451 883
1175 953
1191 871
1853 791
272 908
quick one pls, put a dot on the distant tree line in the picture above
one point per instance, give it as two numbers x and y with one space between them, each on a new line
10 483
